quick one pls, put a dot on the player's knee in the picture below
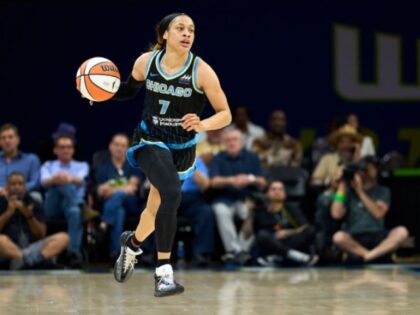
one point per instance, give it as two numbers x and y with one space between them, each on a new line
171 194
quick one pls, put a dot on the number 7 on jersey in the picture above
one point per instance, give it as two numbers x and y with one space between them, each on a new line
165 105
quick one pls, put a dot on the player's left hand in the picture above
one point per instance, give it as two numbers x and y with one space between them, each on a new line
192 122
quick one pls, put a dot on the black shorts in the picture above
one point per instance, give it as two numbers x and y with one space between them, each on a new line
183 159
183 155
370 240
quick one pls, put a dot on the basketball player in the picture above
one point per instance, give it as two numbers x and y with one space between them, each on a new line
176 82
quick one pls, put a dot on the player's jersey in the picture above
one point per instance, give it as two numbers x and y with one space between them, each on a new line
168 99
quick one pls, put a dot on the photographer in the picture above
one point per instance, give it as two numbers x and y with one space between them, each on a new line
282 230
22 228
363 204
346 141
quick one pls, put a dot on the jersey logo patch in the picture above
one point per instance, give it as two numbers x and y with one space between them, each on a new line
185 79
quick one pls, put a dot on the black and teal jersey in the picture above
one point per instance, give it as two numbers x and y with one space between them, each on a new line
168 98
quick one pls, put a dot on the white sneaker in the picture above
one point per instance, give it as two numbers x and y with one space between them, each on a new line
165 283
124 266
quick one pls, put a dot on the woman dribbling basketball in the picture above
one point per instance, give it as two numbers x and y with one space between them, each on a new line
177 82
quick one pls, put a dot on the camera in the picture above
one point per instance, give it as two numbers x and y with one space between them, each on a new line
26 200
351 168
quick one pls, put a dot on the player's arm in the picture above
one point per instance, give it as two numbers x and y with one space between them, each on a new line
208 81
135 80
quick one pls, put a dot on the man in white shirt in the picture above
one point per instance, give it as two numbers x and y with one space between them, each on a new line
64 181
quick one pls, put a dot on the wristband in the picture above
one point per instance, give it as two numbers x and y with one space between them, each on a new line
128 89
339 197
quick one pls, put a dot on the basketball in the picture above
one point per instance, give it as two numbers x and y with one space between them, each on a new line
98 79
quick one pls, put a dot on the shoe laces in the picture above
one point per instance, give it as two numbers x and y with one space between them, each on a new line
129 259
167 278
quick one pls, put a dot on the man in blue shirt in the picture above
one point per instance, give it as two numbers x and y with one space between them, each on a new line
195 208
117 186
235 173
64 180
13 160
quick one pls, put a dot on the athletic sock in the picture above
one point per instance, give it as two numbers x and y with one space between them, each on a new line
133 243
162 262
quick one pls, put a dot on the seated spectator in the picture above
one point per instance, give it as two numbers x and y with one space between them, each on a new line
277 147
347 143
45 149
117 186
198 211
326 226
22 229
13 160
363 204
234 172
64 181
282 230
321 145
210 146
366 147
249 130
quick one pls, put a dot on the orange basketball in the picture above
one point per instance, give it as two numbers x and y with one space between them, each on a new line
98 79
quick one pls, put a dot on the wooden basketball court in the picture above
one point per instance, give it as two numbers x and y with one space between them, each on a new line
336 291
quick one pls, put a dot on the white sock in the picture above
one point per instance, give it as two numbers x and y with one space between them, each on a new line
297 256
164 270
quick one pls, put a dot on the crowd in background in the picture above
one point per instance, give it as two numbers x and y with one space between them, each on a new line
256 198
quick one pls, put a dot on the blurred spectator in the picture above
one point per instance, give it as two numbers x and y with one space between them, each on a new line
277 147
46 148
64 181
210 146
347 143
249 130
366 147
13 160
117 186
22 228
235 173
321 145
195 208
363 204
326 226
282 230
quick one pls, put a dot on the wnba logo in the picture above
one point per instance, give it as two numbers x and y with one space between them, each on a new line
347 66
109 68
